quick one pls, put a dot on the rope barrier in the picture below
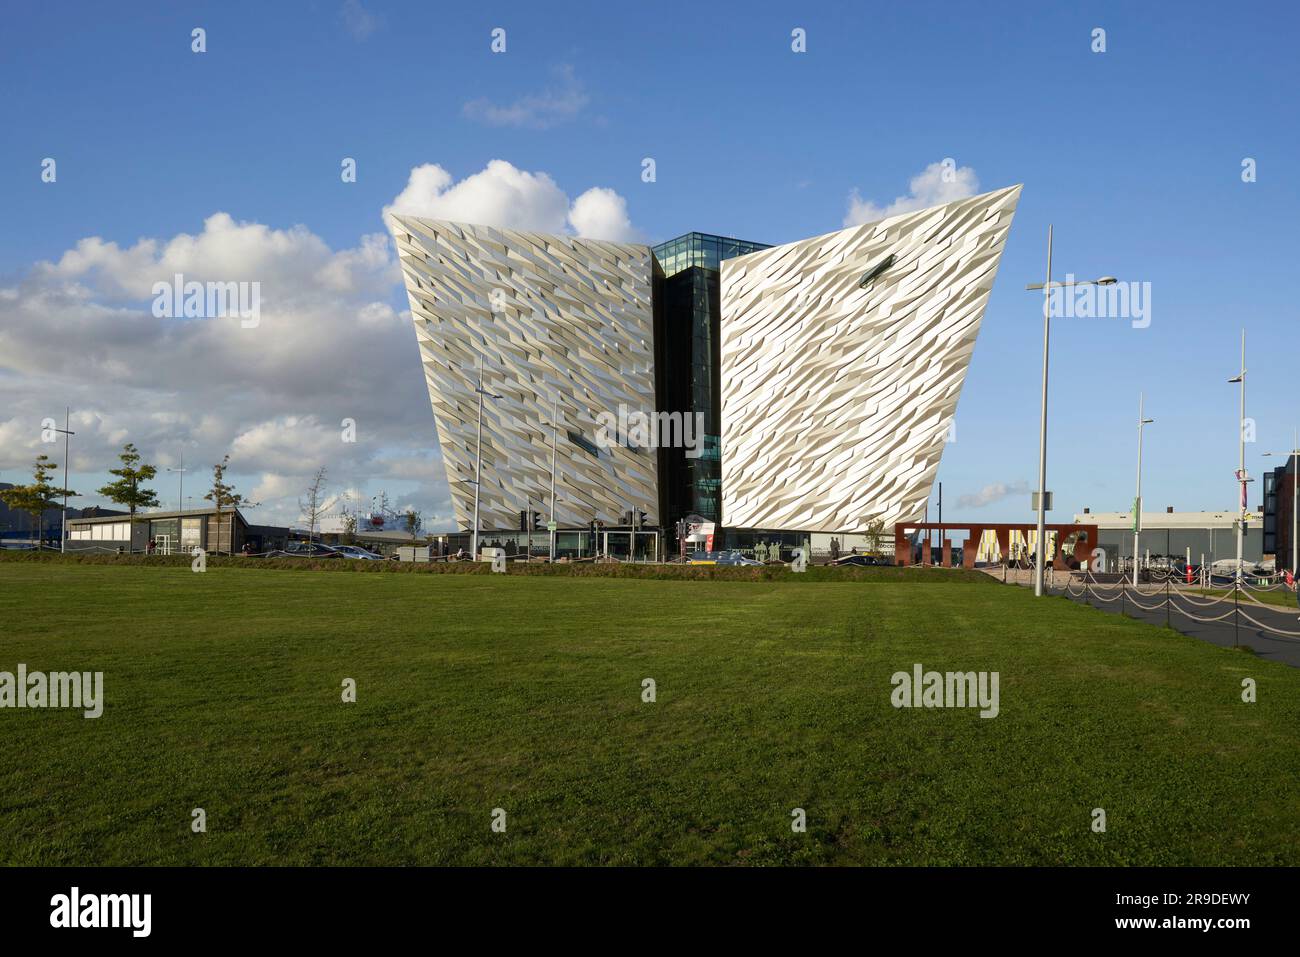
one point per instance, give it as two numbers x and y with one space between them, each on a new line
1108 600
1186 596
1187 614
1155 591
1156 607
1270 629
1091 588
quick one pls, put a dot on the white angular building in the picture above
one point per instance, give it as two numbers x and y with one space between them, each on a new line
555 323
842 360
824 374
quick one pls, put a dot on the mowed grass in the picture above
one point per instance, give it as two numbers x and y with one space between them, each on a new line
480 692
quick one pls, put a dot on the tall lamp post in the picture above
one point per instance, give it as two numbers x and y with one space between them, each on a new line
67 433
1295 501
180 494
1047 288
528 527
1137 502
1242 477
478 459
555 419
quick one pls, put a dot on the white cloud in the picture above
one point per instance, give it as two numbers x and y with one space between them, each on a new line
558 103
79 331
292 261
498 195
504 196
990 494
601 213
938 183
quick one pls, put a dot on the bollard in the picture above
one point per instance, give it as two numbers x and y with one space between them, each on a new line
1236 613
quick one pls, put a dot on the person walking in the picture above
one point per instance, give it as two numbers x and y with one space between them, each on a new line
1294 585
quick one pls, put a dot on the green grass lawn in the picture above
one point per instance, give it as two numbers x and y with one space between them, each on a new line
524 693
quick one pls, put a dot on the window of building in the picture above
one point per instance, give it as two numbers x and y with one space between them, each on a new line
110 532
585 444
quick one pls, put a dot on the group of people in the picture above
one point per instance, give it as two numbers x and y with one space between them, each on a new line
835 549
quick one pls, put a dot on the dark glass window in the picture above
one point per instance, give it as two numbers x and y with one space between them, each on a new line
688 314
585 444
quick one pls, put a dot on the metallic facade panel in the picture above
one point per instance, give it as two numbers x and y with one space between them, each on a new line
549 316
837 399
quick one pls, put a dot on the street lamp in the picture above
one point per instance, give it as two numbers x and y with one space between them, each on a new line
555 424
555 418
180 495
1293 461
1047 288
1242 477
1137 502
63 528
478 459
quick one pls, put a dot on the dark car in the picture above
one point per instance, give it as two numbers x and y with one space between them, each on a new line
306 550
861 560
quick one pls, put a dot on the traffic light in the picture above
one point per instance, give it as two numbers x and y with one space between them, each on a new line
523 520
537 519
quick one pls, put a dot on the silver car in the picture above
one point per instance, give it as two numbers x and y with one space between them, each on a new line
357 552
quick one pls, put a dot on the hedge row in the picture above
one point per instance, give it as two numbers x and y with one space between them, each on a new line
560 569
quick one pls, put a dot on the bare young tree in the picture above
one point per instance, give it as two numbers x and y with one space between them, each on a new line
348 516
223 496
875 536
414 521
315 504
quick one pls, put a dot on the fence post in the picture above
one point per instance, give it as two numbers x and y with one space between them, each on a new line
1236 611
1123 594
1166 602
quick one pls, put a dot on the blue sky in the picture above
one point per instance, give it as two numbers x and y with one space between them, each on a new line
1134 154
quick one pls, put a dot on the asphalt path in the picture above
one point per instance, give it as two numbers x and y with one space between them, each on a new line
1232 628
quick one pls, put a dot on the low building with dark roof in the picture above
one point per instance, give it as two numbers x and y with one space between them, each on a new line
170 532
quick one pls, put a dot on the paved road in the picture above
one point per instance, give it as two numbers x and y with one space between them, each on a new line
1221 633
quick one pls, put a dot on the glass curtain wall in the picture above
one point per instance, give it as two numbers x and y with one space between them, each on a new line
687 335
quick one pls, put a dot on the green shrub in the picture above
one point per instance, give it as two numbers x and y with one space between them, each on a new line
814 573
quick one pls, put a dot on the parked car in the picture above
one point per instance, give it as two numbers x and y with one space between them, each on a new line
861 560
306 550
722 558
357 552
